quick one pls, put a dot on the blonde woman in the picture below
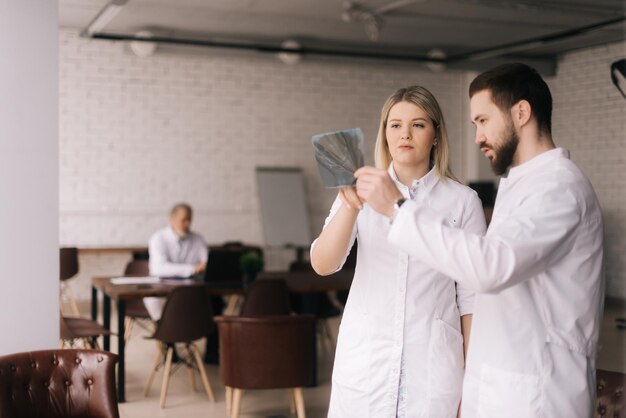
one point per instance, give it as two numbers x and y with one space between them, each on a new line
400 351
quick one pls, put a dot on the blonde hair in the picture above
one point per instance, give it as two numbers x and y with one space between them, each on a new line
423 99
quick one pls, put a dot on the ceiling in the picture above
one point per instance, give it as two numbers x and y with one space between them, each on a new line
472 33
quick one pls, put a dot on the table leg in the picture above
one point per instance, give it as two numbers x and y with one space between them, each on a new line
314 354
94 303
121 319
233 306
106 320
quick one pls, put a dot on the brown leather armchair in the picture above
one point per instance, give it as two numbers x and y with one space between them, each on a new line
58 384
610 401
268 352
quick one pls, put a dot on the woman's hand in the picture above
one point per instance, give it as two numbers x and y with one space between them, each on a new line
349 198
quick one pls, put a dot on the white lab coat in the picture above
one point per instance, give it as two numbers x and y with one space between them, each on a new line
403 316
538 277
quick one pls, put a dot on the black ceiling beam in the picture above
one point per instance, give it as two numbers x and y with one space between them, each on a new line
532 42
304 50
455 61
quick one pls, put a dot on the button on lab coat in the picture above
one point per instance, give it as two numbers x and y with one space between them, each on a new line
537 274
403 317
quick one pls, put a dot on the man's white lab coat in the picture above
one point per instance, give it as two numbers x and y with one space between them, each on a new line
539 283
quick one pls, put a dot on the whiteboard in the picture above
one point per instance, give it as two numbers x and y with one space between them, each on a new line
284 213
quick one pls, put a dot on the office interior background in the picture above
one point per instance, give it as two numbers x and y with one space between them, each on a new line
97 142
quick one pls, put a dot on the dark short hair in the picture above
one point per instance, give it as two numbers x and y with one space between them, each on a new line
510 83
180 206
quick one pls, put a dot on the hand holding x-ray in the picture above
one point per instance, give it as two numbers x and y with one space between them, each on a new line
339 154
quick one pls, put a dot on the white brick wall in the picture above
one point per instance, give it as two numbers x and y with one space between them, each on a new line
590 120
138 134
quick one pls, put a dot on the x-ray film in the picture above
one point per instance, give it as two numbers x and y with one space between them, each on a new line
339 154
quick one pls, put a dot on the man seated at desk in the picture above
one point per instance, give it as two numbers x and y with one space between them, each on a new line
175 251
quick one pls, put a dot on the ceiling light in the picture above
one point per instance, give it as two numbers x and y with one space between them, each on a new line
142 48
438 64
287 57
103 18
357 13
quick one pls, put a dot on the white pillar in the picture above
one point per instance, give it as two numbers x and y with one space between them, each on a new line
29 185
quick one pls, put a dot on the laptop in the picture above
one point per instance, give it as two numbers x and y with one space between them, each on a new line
223 268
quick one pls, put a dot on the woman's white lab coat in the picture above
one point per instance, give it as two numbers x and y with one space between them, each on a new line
403 317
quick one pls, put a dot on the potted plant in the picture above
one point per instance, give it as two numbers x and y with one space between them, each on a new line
251 264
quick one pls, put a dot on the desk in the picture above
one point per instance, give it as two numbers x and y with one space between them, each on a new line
311 282
302 282
121 294
298 282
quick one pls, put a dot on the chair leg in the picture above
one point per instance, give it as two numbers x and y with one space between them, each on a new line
292 402
87 344
229 400
297 394
166 375
128 329
190 370
94 343
237 394
329 336
71 299
155 366
233 306
326 340
321 338
205 379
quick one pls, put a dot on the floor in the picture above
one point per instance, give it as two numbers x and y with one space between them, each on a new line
183 402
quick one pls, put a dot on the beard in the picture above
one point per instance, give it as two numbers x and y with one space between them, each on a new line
505 151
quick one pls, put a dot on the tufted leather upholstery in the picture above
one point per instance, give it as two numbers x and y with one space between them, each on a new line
610 402
58 384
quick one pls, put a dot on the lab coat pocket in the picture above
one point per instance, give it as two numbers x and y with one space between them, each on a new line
445 370
508 394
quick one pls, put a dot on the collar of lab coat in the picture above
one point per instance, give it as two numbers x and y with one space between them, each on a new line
427 182
521 170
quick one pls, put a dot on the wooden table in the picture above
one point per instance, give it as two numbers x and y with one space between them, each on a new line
298 282
311 282
122 293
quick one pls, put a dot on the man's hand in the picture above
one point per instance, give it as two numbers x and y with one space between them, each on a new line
199 268
349 198
375 187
